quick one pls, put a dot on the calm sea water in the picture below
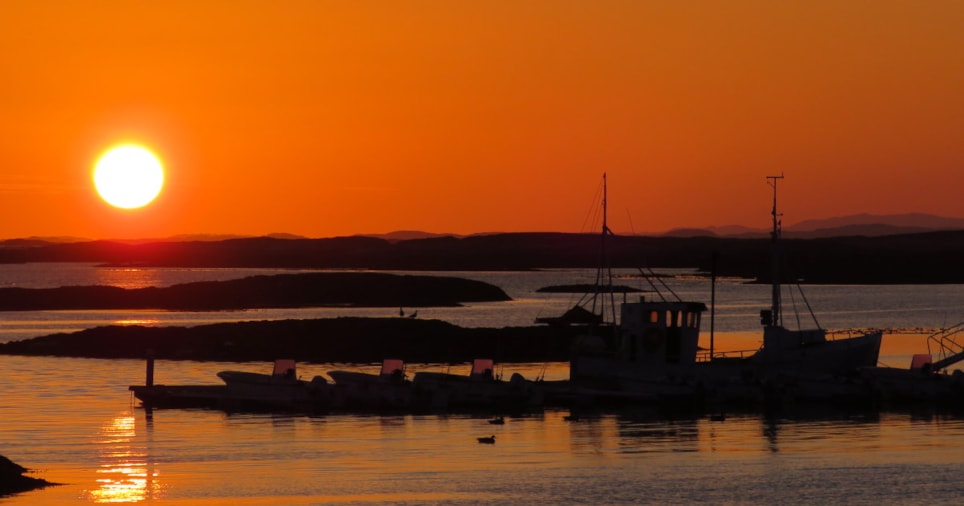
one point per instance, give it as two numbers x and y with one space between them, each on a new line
75 423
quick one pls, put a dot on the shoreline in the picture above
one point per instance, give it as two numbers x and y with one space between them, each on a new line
13 481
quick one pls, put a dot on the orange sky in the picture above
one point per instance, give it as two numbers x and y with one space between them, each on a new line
325 118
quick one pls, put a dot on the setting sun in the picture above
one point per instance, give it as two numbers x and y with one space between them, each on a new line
128 176
331 119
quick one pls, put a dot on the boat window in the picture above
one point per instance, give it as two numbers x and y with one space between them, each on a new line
654 317
674 318
691 320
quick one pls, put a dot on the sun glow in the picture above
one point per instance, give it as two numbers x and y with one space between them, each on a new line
128 176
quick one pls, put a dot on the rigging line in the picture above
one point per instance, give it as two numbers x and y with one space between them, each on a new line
810 309
793 302
652 274
666 286
595 209
612 295
649 279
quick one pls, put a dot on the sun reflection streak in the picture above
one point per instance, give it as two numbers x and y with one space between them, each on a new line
137 321
127 474
128 277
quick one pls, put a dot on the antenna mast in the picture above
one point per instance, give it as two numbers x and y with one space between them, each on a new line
777 318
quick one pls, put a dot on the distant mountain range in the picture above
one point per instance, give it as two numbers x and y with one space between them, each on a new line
856 225
29 242
407 235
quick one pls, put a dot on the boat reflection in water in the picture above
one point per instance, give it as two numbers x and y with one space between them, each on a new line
481 389
389 390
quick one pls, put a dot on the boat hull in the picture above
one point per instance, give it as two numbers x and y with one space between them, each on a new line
224 398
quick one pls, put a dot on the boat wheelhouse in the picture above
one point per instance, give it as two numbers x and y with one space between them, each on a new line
651 337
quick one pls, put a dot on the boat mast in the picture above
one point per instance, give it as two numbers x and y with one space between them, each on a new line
776 320
605 269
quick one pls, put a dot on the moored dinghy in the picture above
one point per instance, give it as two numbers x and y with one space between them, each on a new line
281 389
390 389
480 390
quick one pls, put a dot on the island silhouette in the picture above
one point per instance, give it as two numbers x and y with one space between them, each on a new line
314 289
921 258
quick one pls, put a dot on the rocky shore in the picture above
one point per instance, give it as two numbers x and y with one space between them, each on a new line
13 481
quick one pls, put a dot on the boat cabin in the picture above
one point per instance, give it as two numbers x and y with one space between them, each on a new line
652 336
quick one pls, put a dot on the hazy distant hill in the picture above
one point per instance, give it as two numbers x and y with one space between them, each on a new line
31 242
738 231
865 225
912 220
197 237
868 230
691 232
407 235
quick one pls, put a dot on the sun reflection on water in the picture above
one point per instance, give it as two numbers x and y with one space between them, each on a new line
126 474
128 277
137 321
